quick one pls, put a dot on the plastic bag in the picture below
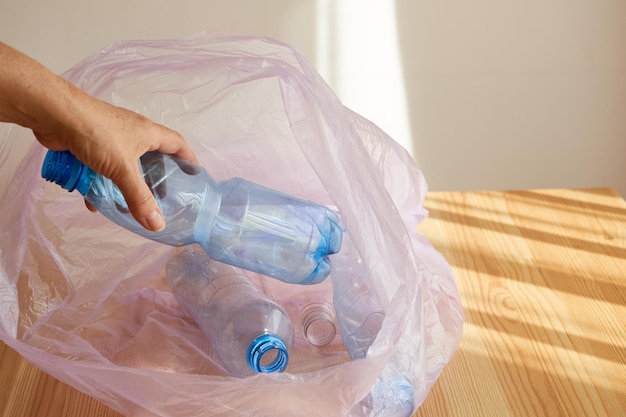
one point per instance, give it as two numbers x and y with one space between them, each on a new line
87 302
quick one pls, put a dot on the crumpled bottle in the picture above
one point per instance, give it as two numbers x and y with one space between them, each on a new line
360 317
236 221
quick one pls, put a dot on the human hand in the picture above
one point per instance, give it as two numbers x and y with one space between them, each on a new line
110 140
106 138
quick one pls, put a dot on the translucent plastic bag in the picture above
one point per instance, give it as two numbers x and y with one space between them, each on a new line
87 301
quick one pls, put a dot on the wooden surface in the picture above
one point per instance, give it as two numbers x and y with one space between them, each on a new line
542 277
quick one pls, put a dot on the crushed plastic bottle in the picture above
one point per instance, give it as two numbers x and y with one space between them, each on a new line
360 317
359 313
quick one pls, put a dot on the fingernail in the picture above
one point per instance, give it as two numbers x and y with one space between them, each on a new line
155 221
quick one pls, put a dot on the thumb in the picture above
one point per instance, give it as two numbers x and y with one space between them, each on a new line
141 202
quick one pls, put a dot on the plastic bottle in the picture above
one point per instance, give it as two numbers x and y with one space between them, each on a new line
391 396
248 333
358 311
360 317
317 323
310 308
236 221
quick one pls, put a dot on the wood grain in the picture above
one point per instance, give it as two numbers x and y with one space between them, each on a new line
25 391
542 277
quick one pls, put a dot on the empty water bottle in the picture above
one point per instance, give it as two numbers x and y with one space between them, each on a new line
317 323
248 332
311 311
358 311
360 317
236 221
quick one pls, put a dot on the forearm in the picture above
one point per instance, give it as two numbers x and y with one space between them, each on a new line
31 95
107 138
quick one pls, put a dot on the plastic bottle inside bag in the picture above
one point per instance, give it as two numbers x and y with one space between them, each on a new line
360 317
391 396
359 313
248 332
317 323
310 308
236 221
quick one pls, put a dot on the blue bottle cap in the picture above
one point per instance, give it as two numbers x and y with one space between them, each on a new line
61 167
268 344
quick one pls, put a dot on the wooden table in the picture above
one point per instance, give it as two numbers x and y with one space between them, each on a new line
542 277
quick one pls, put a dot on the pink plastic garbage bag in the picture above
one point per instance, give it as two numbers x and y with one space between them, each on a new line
87 301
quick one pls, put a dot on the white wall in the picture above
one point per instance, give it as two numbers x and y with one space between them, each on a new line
516 94
485 94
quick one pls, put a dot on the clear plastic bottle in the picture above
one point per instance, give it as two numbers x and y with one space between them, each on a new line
360 317
248 333
358 312
310 308
317 323
236 221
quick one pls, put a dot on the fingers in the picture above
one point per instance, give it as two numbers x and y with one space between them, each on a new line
90 207
171 142
141 202
111 144
137 194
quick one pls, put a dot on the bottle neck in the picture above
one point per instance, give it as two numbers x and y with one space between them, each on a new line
318 324
64 169
267 354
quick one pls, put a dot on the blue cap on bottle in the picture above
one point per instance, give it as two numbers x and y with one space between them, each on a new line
264 344
61 167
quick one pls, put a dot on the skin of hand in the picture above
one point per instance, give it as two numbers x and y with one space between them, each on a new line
106 138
